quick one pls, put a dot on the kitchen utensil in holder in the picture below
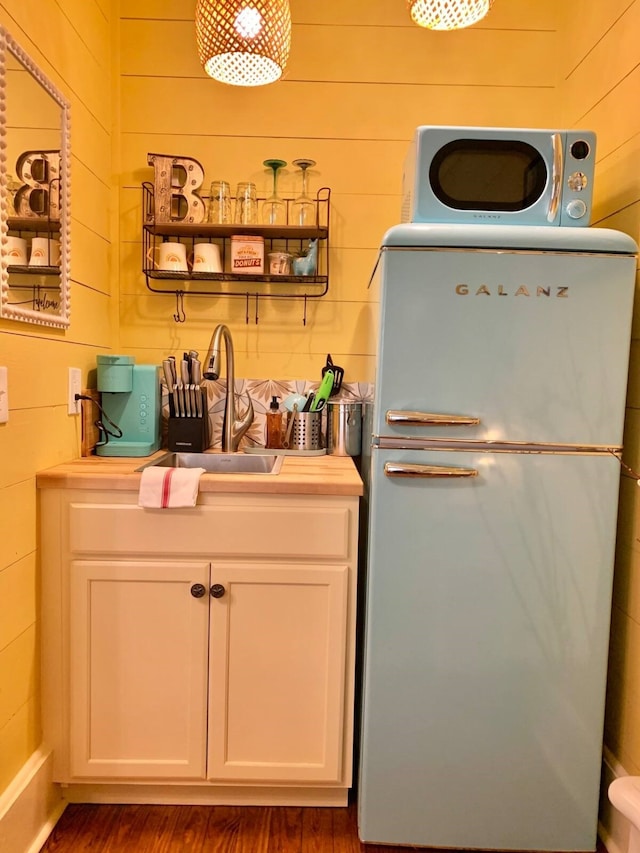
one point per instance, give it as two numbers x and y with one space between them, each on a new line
189 434
306 432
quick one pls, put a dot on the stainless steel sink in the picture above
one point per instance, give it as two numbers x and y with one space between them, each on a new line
220 463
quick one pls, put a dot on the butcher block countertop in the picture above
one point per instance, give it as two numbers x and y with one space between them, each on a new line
299 475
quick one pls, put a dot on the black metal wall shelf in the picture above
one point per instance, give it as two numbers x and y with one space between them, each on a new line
21 269
285 238
33 223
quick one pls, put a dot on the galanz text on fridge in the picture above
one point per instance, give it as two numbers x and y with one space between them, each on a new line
522 290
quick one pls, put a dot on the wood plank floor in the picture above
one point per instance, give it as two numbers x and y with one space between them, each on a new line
213 829
209 829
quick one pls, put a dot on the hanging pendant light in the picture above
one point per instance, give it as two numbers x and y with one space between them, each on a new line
243 42
447 14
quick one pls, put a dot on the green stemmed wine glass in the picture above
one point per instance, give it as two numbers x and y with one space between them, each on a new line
304 207
274 208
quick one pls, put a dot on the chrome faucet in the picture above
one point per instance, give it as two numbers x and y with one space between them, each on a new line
232 428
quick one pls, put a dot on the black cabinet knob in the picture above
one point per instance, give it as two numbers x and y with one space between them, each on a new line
217 590
198 590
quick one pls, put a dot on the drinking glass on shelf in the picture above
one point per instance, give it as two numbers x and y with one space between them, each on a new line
274 208
246 204
219 203
303 209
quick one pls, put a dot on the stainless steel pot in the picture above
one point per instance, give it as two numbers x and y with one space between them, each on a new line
344 428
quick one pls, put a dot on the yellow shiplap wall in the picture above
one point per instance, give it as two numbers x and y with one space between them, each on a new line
361 77
71 41
601 91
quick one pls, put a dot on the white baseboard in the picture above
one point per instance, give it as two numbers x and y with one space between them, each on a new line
30 807
613 827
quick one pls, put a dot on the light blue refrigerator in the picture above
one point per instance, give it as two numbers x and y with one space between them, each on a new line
493 491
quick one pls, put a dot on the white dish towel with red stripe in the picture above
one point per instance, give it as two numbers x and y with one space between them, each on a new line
163 488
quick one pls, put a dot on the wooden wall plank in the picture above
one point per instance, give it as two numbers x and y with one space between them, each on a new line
17 584
27 452
601 72
402 55
387 112
515 14
18 672
38 369
91 199
234 158
19 536
333 326
19 738
583 25
91 259
50 37
92 26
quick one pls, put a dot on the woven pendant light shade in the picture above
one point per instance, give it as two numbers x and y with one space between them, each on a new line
243 42
448 14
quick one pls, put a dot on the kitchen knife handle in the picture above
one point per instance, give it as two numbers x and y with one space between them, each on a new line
168 374
172 365
406 469
395 417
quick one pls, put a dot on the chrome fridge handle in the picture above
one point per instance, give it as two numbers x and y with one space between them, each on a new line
556 177
429 419
406 469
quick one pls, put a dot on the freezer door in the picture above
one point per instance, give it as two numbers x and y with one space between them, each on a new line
505 346
487 622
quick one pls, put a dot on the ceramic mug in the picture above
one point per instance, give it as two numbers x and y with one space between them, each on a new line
172 257
206 258
15 251
44 252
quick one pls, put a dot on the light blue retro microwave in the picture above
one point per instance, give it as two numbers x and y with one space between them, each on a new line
499 175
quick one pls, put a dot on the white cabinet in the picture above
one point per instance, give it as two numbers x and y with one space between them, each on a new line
277 672
138 669
212 647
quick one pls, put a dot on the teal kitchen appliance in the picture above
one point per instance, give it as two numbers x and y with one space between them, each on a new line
499 176
493 488
131 401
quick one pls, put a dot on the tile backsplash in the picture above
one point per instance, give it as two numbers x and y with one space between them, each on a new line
261 391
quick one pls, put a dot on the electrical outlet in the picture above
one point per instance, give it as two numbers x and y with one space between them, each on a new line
74 407
4 395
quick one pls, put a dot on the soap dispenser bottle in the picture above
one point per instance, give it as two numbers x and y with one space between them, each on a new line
274 425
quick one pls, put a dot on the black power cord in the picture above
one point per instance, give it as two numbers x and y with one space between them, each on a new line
99 423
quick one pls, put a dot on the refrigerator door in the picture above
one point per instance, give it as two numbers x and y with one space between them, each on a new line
521 345
487 621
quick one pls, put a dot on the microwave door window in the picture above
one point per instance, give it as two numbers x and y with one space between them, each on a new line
486 174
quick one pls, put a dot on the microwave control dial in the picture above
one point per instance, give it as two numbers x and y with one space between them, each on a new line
580 149
576 209
577 181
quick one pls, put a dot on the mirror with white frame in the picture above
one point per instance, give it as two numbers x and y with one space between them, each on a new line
34 192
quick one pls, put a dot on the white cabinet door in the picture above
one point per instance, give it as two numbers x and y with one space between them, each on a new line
138 669
277 672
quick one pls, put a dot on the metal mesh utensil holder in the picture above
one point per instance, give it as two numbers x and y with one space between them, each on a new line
243 44
447 14
305 434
